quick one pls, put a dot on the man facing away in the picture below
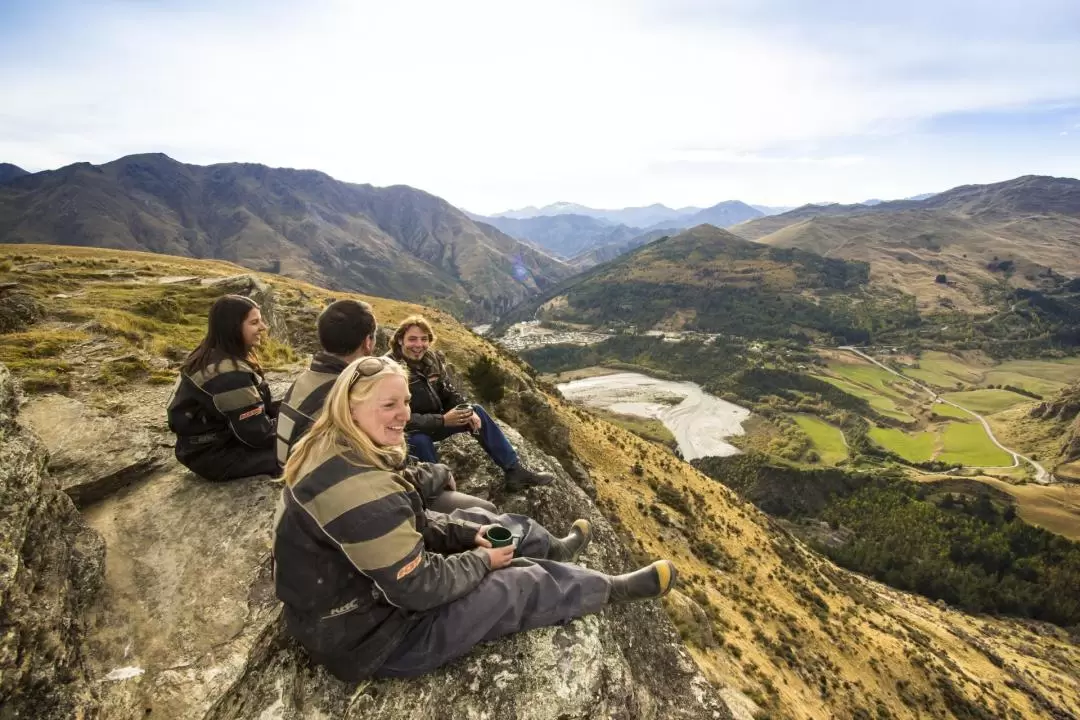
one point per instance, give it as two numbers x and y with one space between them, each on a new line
347 332
439 410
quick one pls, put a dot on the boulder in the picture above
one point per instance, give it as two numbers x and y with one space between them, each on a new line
91 454
18 311
50 571
188 625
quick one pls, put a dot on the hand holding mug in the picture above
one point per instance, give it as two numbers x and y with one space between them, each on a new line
457 416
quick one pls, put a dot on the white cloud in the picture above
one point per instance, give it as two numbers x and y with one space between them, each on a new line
495 104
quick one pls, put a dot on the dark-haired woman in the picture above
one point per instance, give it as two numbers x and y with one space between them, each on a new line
221 409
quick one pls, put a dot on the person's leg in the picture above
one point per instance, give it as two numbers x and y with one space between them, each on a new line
233 460
247 462
526 595
533 539
422 447
450 500
494 442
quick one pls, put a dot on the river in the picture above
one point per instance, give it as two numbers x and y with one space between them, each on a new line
699 421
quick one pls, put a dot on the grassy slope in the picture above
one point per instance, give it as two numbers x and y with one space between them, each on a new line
913 447
986 402
828 440
807 639
968 444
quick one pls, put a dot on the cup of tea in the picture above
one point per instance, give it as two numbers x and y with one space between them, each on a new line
464 408
499 536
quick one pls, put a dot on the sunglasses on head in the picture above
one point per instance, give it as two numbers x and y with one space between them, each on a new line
371 365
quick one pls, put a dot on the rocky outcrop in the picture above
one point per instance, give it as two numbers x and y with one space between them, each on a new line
1065 407
17 309
50 570
92 454
187 626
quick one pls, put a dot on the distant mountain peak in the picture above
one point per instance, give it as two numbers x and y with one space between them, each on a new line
9 172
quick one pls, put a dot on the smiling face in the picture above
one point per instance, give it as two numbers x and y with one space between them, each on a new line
382 414
415 343
253 329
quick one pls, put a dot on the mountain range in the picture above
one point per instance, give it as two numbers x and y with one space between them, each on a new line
651 217
396 242
1026 230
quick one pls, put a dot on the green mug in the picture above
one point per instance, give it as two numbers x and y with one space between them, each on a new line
499 536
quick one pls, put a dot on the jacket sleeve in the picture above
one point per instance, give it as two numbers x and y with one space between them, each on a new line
445 534
424 423
429 479
373 520
235 394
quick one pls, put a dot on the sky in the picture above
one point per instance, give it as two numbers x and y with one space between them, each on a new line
609 103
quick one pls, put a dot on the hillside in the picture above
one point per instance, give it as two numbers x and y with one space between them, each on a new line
396 241
9 172
778 630
708 280
606 253
1023 231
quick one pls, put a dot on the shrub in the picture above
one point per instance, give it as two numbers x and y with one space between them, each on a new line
488 379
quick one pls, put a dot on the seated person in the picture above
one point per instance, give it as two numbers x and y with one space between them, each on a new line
221 409
347 332
375 585
435 407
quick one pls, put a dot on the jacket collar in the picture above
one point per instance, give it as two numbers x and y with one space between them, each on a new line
324 362
426 364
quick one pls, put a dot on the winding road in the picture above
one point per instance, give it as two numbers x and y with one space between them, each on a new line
1041 475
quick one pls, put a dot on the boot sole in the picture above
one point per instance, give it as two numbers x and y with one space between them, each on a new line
667 574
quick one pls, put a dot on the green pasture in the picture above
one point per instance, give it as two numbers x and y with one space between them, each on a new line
986 401
913 447
828 440
968 444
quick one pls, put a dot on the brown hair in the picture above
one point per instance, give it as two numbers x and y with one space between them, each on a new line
224 335
412 321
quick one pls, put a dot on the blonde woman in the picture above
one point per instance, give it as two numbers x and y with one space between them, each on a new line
375 585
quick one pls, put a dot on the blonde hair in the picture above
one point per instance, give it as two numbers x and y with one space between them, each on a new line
412 321
336 431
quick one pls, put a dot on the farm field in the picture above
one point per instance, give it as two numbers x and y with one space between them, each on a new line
827 439
944 410
968 444
987 401
913 447
884 404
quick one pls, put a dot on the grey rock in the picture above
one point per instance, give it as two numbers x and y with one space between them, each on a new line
18 311
91 454
50 571
627 662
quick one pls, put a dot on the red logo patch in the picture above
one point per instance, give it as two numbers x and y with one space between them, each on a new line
251 413
410 567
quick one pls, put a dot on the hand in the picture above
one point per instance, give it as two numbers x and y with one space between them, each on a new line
450 484
499 557
480 539
454 418
474 422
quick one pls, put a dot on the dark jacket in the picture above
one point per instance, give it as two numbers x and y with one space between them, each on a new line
433 394
358 562
304 401
226 407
